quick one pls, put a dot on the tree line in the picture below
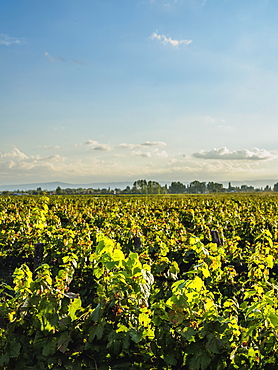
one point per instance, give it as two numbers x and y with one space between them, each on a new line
152 187
194 187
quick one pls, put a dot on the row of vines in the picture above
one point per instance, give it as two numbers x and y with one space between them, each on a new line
137 283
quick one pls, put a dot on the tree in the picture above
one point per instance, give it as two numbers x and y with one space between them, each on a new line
140 186
214 187
153 187
177 188
150 187
267 188
197 187
58 190
275 187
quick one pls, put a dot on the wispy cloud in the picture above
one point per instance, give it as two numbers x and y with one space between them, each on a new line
52 158
142 145
50 146
80 62
49 57
95 145
223 153
9 40
104 148
153 143
53 59
164 3
220 122
152 146
168 40
128 146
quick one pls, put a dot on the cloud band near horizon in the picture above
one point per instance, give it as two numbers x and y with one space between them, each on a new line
224 153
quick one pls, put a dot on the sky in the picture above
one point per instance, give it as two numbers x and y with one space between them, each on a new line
165 90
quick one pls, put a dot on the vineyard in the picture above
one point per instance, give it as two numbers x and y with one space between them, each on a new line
139 282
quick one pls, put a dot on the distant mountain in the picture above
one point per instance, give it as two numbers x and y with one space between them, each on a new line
63 185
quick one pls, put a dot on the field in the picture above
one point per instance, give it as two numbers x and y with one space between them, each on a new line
134 282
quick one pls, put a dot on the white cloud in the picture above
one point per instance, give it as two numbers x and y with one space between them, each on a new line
50 146
95 145
168 40
162 153
142 154
129 146
9 40
14 153
244 154
19 166
145 144
91 142
153 143
104 148
152 164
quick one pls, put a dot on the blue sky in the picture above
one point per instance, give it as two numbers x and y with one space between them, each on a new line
168 90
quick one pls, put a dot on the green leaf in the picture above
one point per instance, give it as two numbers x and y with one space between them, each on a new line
205 271
45 321
135 335
14 349
64 323
213 344
114 347
118 255
273 318
97 313
253 308
269 261
121 328
4 360
200 360
73 307
170 359
96 331
196 283
251 352
178 285
50 347
63 342
189 333
98 272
